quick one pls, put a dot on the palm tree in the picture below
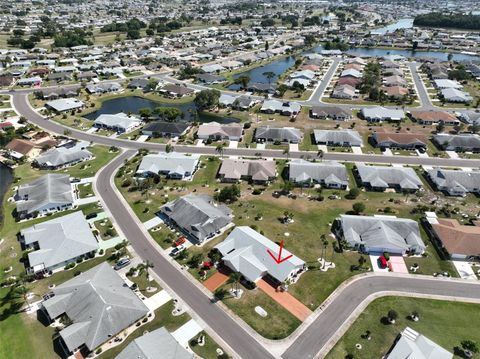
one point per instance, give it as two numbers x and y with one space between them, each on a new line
219 149
143 268
269 75
320 154
286 152
234 280
243 81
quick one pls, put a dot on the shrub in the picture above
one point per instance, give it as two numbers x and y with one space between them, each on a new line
98 351
257 191
386 255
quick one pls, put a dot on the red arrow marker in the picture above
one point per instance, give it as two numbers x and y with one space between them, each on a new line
279 259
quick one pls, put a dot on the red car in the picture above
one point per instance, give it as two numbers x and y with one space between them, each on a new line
179 241
382 262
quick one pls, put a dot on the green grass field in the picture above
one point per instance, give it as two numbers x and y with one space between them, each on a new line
446 323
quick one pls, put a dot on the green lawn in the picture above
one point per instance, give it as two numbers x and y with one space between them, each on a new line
278 324
163 318
446 323
208 350
106 229
85 190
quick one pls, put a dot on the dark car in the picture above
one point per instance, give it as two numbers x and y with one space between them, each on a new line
121 263
91 215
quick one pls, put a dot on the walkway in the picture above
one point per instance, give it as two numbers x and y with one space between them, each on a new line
286 300
216 280
157 300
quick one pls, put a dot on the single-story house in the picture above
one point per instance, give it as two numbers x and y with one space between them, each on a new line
248 252
274 134
282 107
58 242
434 117
104 88
344 92
165 129
331 112
176 90
63 156
65 104
18 148
395 92
470 117
328 174
156 344
98 304
446 84
378 234
220 131
351 73
454 182
258 171
394 80
120 122
338 138
411 344
454 95
172 165
47 194
198 216
459 143
403 140
379 178
212 68
379 114
210 79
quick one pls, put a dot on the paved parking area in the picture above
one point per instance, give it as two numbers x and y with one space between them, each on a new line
286 300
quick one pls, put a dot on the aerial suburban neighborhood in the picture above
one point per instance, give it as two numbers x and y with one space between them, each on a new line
247 179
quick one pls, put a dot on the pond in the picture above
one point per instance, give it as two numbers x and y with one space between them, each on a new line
277 67
443 56
132 104
400 24
6 178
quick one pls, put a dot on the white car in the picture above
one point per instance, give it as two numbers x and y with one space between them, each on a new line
175 251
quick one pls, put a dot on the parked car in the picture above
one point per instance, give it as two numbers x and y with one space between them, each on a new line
175 251
121 263
91 215
179 241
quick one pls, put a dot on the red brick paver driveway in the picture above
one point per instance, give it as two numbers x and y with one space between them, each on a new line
286 300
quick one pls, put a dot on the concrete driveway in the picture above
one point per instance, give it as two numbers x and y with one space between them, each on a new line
464 270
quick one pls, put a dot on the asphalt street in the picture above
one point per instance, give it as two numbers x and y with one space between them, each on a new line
316 336
21 104
240 340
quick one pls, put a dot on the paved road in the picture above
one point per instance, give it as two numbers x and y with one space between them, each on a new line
426 103
20 102
316 97
316 336
241 341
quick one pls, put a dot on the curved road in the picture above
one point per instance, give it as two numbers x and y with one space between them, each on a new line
22 106
307 344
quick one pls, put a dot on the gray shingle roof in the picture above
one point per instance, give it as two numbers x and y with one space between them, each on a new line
228 130
286 133
382 232
464 142
329 172
455 182
245 250
99 304
172 163
61 156
65 104
339 137
384 177
198 215
59 240
158 344
382 113
51 189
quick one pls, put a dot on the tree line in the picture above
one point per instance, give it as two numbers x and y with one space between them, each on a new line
459 21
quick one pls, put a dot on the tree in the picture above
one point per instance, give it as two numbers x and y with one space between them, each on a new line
207 99
287 187
392 316
144 268
169 114
242 81
269 75
220 149
281 89
168 148
469 347
220 293
67 132
145 112
358 207
266 46
234 280
229 193
353 193
450 56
